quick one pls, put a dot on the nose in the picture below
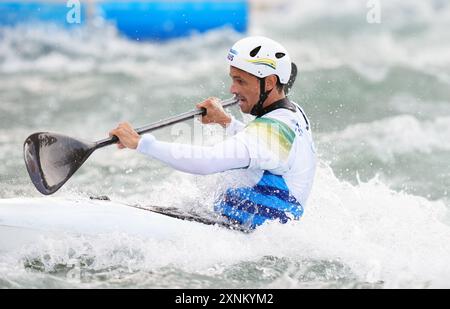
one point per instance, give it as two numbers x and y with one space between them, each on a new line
233 89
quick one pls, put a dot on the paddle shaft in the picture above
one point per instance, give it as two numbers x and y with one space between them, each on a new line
165 122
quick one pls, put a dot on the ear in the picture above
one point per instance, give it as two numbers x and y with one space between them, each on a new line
271 82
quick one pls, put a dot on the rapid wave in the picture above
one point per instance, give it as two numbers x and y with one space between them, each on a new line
372 50
323 35
390 79
352 235
388 137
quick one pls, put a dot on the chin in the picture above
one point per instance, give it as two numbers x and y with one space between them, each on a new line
245 110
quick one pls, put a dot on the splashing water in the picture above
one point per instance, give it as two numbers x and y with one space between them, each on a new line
377 96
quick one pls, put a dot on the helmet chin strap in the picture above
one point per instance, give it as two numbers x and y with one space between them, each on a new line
258 109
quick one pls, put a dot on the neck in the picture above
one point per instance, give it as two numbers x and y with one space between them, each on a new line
273 97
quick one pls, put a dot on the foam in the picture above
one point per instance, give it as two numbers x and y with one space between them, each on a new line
391 136
377 234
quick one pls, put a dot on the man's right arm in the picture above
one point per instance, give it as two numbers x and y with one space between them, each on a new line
230 154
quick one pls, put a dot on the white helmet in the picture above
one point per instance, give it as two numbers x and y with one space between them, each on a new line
261 57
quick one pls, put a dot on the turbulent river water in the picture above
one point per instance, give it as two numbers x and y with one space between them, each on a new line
378 97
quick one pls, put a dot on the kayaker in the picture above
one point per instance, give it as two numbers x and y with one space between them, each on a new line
276 148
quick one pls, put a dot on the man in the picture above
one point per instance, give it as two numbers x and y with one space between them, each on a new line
276 147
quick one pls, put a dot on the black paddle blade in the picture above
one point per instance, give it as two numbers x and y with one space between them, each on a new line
51 159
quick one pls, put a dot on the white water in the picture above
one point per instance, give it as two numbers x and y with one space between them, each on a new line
388 137
377 96
378 235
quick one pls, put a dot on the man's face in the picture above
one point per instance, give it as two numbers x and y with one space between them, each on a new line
246 88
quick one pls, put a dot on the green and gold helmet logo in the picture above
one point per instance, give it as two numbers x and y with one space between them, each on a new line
264 61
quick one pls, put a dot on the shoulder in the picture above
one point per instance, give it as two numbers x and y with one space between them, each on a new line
269 122
280 119
292 119
269 126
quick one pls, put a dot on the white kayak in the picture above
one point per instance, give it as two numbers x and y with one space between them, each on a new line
22 220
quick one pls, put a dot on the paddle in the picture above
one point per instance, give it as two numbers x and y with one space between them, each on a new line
51 159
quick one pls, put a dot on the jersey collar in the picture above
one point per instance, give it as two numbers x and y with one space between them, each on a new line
283 103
